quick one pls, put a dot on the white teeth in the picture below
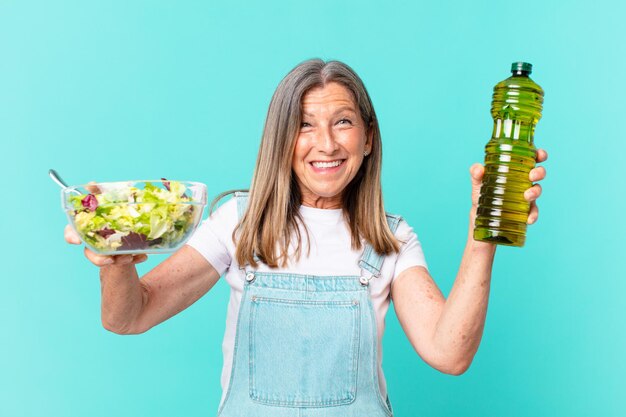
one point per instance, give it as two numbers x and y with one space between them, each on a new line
326 164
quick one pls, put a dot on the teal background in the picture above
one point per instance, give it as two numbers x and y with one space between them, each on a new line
123 90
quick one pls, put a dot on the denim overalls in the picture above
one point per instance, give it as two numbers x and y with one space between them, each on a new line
306 345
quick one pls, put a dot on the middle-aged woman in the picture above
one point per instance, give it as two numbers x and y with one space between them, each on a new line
313 261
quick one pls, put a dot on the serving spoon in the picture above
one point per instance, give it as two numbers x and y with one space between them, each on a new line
57 178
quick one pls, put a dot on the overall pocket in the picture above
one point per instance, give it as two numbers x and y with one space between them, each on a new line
303 353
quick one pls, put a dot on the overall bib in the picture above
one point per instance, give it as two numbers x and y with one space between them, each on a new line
305 345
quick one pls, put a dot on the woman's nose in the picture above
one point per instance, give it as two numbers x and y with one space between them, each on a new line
327 142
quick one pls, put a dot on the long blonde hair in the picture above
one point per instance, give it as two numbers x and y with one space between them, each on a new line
271 219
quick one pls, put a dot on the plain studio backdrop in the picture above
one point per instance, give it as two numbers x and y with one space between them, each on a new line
121 90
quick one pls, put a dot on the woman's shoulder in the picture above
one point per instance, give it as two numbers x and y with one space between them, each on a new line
403 231
222 220
227 212
411 253
213 238
393 220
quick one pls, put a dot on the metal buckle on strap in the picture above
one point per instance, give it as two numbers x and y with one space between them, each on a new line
366 276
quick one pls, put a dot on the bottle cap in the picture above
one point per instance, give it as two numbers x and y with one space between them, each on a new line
523 68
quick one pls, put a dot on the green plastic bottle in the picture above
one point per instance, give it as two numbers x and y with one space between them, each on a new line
509 156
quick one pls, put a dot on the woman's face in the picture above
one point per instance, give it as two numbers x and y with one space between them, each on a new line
330 145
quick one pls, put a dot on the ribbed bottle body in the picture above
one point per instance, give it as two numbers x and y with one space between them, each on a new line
509 156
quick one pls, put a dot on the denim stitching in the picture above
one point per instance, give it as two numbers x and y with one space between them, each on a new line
370 261
351 393
251 351
375 360
235 350
308 283
242 202
292 303
356 349
302 276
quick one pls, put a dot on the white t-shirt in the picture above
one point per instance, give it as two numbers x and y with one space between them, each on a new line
330 254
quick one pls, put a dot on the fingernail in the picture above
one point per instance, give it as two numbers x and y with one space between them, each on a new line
120 259
108 261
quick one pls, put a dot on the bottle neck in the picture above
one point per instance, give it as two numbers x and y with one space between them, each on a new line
520 130
520 73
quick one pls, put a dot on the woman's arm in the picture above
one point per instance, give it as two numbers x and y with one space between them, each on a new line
446 333
131 305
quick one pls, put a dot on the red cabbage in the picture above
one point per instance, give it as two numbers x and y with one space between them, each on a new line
134 241
106 232
90 202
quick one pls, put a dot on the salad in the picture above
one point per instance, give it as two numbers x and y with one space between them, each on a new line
122 217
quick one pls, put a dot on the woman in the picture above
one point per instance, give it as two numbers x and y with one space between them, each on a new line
313 261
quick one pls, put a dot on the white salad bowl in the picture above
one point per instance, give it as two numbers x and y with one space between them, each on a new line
116 218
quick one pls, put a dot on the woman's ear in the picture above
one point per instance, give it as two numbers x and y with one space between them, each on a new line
369 139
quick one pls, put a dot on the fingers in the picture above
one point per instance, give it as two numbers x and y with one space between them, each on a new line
533 193
98 260
137 259
537 174
71 236
476 172
533 215
92 188
542 155
104 260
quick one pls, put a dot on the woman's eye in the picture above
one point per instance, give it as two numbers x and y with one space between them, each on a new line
345 121
304 124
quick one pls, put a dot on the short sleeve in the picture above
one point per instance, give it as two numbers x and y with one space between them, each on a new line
213 238
411 253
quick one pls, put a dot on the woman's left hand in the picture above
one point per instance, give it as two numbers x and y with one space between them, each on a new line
532 194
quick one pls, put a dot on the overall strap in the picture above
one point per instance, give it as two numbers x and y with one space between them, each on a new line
371 262
242 203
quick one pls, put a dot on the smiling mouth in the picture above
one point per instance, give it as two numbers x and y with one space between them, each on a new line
327 164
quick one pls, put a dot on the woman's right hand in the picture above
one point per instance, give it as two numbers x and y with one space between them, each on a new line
132 305
72 237
101 260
